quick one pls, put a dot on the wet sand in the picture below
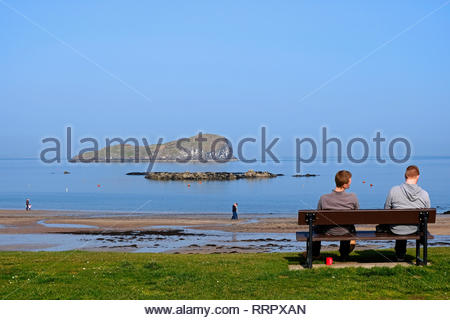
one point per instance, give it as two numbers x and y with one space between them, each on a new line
21 221
187 232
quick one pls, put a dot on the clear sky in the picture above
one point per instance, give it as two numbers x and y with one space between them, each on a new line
173 68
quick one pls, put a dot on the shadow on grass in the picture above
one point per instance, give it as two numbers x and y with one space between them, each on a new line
364 256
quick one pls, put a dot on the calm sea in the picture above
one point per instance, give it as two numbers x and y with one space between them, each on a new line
106 187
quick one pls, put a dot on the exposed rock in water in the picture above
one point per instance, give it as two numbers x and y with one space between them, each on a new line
446 212
66 172
172 176
305 175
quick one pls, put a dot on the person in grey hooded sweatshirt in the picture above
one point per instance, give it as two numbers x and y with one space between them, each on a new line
406 196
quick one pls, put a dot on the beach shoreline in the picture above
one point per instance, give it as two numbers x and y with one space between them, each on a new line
159 232
21 221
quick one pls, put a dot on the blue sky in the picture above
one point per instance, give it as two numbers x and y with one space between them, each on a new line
173 68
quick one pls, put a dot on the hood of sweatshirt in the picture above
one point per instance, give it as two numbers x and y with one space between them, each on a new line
411 191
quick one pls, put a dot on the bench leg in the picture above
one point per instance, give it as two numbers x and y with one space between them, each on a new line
425 249
425 239
418 260
309 254
308 249
310 218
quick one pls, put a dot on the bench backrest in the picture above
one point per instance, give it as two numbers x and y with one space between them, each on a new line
368 216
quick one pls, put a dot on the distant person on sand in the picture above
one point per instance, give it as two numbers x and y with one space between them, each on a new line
406 196
27 205
234 210
338 199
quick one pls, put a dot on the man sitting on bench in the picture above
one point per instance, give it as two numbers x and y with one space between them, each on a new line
406 196
337 199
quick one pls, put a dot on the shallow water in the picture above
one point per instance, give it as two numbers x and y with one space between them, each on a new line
106 187
173 240
65 225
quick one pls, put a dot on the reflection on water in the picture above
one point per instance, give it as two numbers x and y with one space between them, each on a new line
173 240
64 225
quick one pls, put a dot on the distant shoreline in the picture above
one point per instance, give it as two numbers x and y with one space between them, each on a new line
160 212
149 160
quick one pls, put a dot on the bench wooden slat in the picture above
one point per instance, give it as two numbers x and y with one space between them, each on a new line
366 216
360 235
419 217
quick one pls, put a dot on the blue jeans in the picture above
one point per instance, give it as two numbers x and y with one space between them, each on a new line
235 216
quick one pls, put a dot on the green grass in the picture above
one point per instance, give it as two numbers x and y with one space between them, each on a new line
103 275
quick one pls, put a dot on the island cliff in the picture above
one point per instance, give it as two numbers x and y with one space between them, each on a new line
213 148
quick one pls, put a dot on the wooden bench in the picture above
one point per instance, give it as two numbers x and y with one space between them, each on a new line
420 217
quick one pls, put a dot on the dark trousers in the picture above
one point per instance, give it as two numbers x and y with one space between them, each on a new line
400 248
235 216
344 248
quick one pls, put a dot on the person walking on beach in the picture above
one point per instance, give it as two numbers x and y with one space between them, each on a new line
338 199
27 205
406 196
234 210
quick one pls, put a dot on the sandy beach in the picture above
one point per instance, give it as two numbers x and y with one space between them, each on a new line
173 233
21 221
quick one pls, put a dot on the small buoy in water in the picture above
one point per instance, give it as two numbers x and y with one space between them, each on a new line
189 185
371 185
364 181
200 182
98 186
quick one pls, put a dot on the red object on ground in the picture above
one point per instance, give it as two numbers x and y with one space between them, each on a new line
329 261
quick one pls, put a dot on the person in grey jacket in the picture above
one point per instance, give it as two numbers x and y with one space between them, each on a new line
406 196
338 199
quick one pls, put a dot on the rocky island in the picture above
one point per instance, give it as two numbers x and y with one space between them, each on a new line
212 147
197 176
308 175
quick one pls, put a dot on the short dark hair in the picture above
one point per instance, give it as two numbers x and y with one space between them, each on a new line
412 172
342 177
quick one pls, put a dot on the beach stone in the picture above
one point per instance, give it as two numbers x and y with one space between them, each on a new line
305 175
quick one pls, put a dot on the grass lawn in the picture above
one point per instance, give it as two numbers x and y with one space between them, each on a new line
104 275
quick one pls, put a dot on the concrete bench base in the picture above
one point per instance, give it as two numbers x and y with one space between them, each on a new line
368 265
